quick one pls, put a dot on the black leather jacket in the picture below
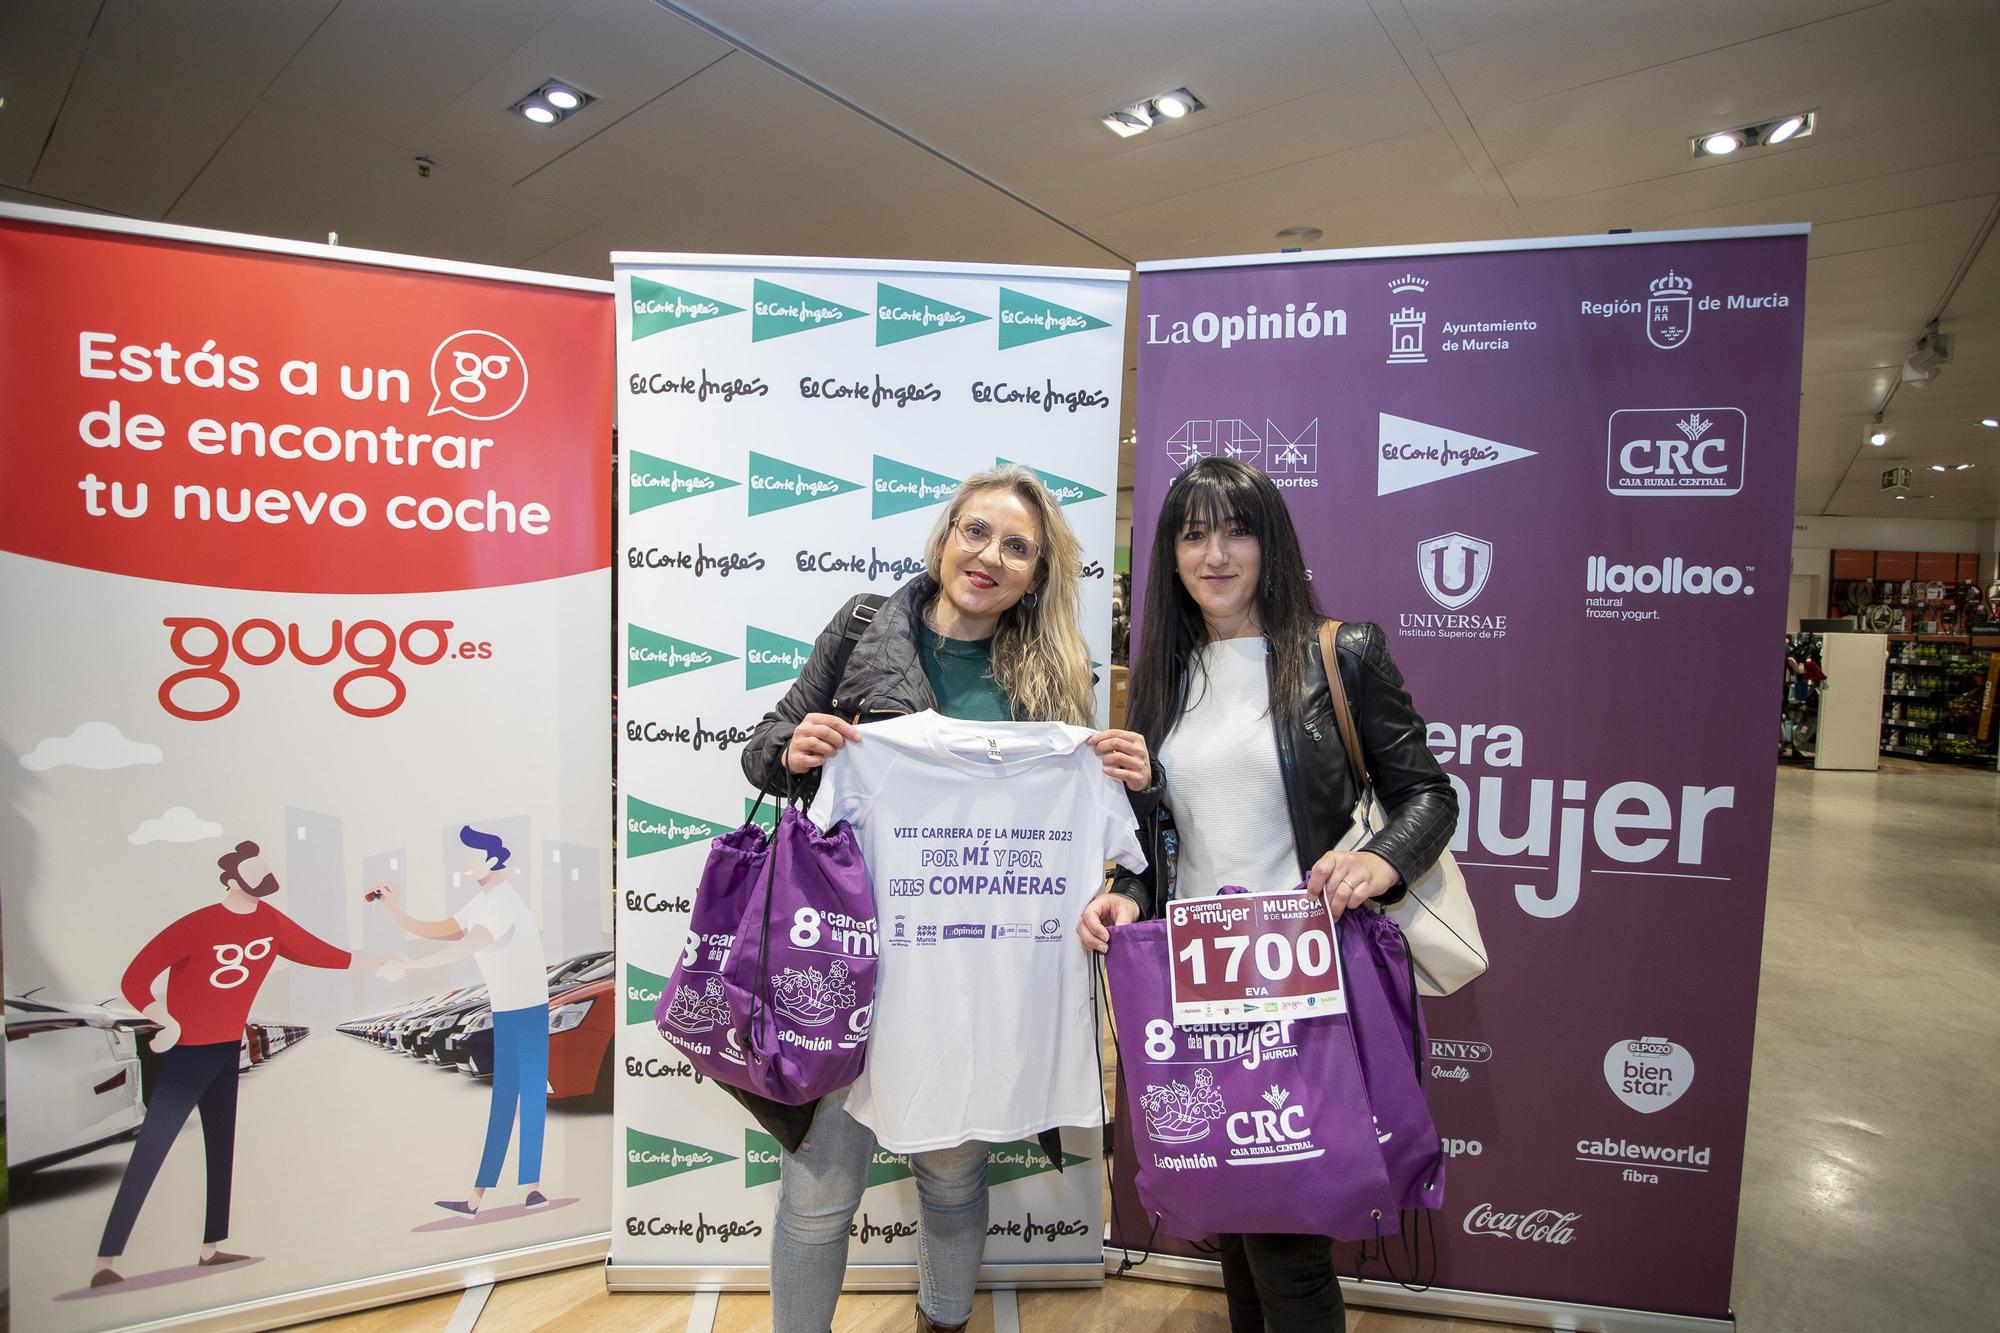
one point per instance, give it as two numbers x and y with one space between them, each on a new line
1418 799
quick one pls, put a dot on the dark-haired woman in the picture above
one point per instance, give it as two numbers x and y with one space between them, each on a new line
1229 690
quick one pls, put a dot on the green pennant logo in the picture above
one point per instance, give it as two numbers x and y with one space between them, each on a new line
1020 1159
777 311
760 1162
651 481
900 488
650 656
1029 319
776 484
765 815
657 307
642 993
1066 491
653 828
901 316
649 1157
771 658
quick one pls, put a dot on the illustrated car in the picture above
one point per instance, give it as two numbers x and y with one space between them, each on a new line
73 1082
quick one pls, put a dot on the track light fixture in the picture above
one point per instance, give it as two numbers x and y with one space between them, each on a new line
552 102
1141 116
1764 134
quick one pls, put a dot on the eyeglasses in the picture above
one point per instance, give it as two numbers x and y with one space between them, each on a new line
975 535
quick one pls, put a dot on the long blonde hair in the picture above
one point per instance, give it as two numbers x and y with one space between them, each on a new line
1039 657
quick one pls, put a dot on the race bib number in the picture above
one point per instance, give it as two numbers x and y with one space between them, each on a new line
1253 957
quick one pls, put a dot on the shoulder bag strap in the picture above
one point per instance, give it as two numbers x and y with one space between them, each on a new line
1350 739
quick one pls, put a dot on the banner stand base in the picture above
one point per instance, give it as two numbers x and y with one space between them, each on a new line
1445 1301
389 1289
860 1277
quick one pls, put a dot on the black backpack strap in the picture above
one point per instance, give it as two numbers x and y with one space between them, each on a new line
858 621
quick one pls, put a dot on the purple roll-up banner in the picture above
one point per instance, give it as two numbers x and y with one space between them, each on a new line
1558 473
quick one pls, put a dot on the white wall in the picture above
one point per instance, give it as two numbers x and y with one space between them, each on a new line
1814 539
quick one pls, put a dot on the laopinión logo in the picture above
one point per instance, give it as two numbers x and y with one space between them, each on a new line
1612 590
1293 322
1453 569
1676 451
1648 1074
371 650
1287 454
1543 1226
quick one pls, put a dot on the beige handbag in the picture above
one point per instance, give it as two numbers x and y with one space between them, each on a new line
1435 913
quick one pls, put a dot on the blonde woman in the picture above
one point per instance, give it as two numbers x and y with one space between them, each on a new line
989 632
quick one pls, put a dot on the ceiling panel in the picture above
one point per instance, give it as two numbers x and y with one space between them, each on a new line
1446 25
624 53
286 173
41 45
387 68
159 89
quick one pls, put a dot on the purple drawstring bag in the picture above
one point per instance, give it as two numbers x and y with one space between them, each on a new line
1252 1128
776 979
1388 1026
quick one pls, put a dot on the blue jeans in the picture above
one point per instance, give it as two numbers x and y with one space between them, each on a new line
520 1079
819 1188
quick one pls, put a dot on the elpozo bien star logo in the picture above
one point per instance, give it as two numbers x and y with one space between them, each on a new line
1648 1074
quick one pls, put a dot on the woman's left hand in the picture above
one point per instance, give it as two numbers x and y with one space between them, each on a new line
1125 757
1349 879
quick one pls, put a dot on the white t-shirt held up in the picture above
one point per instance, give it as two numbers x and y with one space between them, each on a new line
983 842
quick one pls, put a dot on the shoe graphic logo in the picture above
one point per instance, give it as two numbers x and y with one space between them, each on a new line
810 997
1670 311
1177 1113
693 1012
1454 568
656 307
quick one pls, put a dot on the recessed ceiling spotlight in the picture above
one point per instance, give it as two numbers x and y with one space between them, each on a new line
552 102
1875 434
1902 497
1937 467
1990 423
1961 467
1764 134
1141 116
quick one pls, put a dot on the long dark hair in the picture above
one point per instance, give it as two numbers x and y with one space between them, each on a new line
1212 492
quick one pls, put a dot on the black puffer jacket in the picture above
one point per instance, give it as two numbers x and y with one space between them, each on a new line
1421 806
884 678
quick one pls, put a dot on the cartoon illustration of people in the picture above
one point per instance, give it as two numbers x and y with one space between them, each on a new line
497 931
215 959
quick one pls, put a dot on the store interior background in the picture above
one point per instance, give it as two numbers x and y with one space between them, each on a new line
969 130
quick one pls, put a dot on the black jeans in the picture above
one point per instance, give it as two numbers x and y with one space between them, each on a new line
1281 1283
191 1077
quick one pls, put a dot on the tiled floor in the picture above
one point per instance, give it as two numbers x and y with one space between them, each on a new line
1871 1193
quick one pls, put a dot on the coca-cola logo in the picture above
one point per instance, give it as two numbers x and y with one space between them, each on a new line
1544 1226
371 650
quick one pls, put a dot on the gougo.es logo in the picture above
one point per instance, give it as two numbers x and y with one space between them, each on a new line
371 650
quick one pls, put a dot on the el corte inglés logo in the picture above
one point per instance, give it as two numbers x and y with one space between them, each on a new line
900 488
770 659
648 1157
776 311
642 993
1029 319
902 315
653 828
760 1162
776 484
652 656
656 307
1062 488
651 481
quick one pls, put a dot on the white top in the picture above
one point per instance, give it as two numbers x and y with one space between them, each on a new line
1223 782
516 975
983 842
